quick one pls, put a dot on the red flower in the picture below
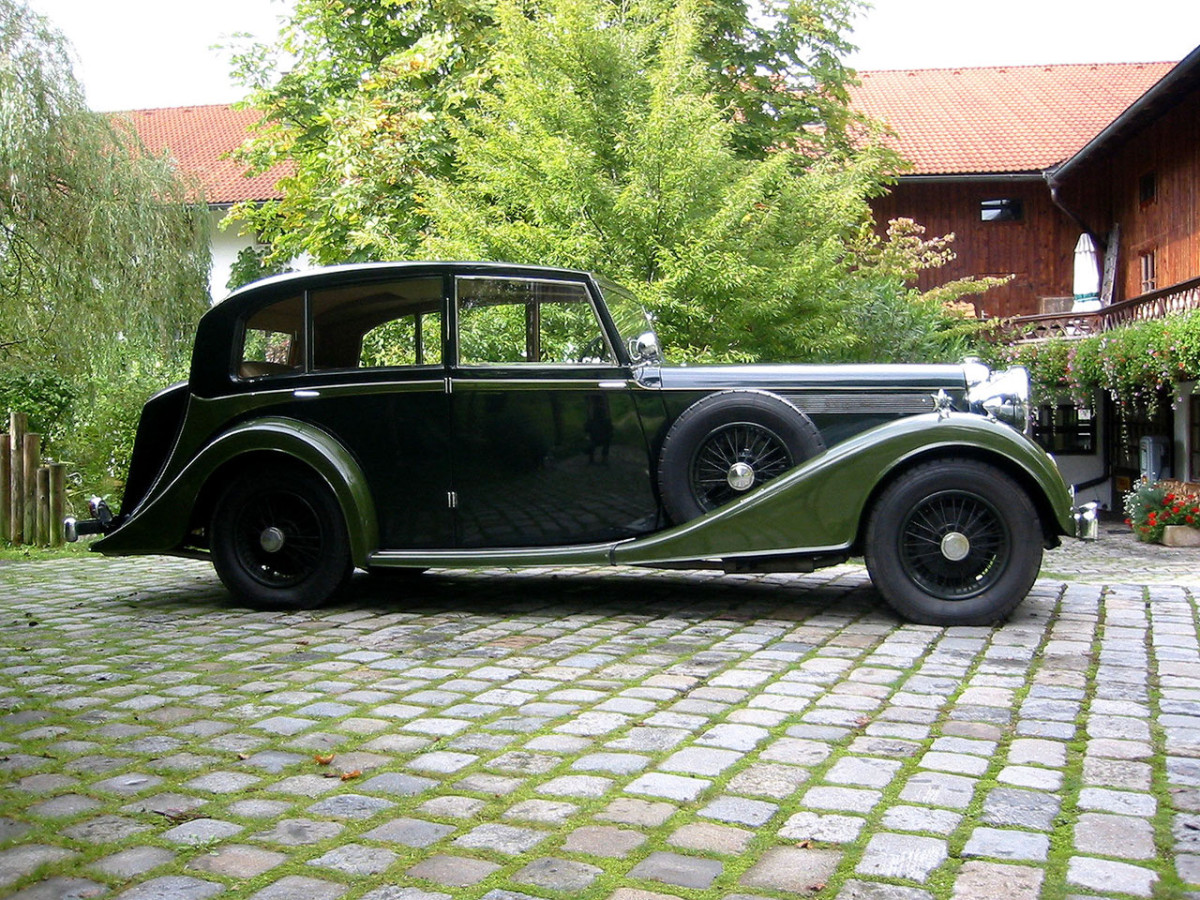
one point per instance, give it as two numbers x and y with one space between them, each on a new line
1168 500
1191 520
1129 521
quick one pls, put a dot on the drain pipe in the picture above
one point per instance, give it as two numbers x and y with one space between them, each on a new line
1056 199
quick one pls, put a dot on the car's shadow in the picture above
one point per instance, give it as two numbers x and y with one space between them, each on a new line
556 594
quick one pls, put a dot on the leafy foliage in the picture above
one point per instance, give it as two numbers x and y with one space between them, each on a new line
1136 365
103 253
365 99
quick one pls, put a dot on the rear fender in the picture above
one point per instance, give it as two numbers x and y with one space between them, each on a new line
819 505
160 523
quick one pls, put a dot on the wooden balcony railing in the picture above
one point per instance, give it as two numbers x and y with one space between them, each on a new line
1175 299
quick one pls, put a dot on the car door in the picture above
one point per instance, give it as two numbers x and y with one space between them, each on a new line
549 448
371 374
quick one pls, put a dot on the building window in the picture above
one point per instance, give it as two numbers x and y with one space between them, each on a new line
1149 263
1065 429
1008 209
1148 188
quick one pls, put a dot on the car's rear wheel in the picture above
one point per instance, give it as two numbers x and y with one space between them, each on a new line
279 540
954 542
727 444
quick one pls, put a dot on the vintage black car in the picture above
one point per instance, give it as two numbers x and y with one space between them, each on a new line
410 415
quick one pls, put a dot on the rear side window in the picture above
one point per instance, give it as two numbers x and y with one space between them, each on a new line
388 325
273 340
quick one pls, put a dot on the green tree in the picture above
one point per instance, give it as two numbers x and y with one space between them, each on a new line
103 259
363 98
602 146
102 249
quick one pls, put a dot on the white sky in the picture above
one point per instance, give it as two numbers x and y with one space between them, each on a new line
138 54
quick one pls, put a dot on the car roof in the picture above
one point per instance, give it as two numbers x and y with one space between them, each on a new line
309 278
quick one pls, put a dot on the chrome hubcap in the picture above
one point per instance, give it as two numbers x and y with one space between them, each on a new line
955 546
271 539
741 476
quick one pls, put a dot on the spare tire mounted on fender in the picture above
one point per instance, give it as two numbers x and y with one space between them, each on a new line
727 444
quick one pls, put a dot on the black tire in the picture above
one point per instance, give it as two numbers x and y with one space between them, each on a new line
279 541
751 428
954 542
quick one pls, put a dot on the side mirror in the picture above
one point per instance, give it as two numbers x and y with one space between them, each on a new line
644 348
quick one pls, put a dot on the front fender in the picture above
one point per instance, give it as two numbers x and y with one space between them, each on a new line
819 505
159 525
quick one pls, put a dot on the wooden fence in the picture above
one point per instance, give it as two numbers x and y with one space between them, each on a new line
32 495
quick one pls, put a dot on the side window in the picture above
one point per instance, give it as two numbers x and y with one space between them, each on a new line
517 320
378 325
273 340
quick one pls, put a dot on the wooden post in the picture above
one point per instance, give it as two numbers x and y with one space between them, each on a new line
58 502
32 458
5 487
42 502
17 423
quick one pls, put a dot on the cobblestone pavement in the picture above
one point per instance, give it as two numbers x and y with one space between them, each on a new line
631 736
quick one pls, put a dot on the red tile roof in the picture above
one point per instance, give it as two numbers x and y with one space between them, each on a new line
200 138
1000 119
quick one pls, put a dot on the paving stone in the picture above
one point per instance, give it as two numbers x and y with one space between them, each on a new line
1110 877
603 840
939 789
453 807
614 763
300 832
901 856
558 874
1020 809
797 870
672 868
350 806
1106 835
768 780
127 864
238 861
872 773
201 831
985 881
921 818
831 828
61 889
453 871
842 799
1007 844
710 838
294 887
356 859
506 839
642 813
700 761
409 832
1118 802
739 810
172 887
672 787
876 890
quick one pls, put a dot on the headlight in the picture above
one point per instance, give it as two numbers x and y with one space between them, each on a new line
1004 395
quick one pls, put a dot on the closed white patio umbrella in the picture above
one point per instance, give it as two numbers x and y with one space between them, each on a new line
1087 275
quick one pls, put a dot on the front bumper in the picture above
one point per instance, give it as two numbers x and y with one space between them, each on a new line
1087 521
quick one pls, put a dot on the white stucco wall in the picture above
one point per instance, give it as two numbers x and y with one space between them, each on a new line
1080 469
226 244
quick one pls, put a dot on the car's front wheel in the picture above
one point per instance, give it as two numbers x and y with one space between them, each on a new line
279 540
954 542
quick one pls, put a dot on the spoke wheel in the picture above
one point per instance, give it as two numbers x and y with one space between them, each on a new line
955 545
278 540
735 458
728 444
953 542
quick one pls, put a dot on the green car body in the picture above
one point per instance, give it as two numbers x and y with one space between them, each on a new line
378 408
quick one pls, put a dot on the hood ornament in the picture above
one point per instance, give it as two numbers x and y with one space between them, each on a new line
943 404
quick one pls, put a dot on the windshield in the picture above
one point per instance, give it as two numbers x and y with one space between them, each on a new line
627 312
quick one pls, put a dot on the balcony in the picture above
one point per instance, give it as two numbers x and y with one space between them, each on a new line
1178 298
